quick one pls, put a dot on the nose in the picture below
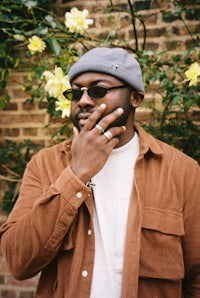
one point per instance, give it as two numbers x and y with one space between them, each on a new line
85 100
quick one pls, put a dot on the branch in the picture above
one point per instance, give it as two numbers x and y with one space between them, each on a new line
133 23
9 179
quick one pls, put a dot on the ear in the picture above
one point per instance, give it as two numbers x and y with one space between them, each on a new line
136 98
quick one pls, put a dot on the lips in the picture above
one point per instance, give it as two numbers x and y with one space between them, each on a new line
82 118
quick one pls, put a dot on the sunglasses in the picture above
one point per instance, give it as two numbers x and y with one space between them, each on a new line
94 92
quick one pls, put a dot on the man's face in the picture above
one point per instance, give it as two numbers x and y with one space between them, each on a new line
115 98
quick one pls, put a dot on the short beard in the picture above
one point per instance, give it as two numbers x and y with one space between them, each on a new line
75 119
121 121
127 108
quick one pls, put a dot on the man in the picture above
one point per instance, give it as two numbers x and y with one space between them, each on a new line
112 212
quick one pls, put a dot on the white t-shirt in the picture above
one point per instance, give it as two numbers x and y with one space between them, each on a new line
112 190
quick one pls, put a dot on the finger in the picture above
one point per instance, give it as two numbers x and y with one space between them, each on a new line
114 132
94 117
110 118
117 130
75 131
108 135
112 144
99 128
75 136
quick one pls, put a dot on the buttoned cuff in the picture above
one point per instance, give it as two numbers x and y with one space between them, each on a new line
72 188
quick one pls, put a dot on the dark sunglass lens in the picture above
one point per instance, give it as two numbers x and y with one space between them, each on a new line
77 93
68 94
73 94
97 92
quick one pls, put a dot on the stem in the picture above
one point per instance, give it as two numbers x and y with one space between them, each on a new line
182 19
164 113
9 179
133 23
111 4
145 34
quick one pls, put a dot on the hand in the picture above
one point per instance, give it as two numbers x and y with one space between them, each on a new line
91 149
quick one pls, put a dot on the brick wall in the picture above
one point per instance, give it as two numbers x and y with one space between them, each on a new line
21 121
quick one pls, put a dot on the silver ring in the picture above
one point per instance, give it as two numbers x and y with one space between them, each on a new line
99 128
108 135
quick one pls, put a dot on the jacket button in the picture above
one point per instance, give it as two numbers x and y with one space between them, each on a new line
84 273
79 195
89 232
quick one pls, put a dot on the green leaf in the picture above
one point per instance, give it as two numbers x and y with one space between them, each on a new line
4 101
54 45
50 20
42 30
176 98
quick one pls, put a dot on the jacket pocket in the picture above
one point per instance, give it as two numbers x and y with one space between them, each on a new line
161 254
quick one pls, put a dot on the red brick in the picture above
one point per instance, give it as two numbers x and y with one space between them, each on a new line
143 116
9 132
30 132
31 118
27 106
1 279
161 31
43 105
4 265
151 46
189 43
8 294
3 92
59 120
11 106
19 93
16 79
174 45
151 19
27 294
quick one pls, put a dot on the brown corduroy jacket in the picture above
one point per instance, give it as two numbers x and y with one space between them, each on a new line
51 226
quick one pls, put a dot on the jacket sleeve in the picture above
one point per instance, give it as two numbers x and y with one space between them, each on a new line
40 219
191 240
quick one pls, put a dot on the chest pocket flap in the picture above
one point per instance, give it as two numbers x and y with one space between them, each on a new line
161 251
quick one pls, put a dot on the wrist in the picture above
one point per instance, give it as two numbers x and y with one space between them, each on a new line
80 175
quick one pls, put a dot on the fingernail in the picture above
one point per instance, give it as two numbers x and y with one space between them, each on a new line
103 106
120 110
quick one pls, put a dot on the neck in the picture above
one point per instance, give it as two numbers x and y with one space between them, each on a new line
127 135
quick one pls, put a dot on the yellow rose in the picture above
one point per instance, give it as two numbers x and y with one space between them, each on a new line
36 44
76 20
56 83
63 105
192 74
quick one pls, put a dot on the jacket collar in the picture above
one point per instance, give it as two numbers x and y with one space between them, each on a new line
147 142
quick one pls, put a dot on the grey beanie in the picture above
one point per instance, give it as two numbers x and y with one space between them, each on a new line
113 61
